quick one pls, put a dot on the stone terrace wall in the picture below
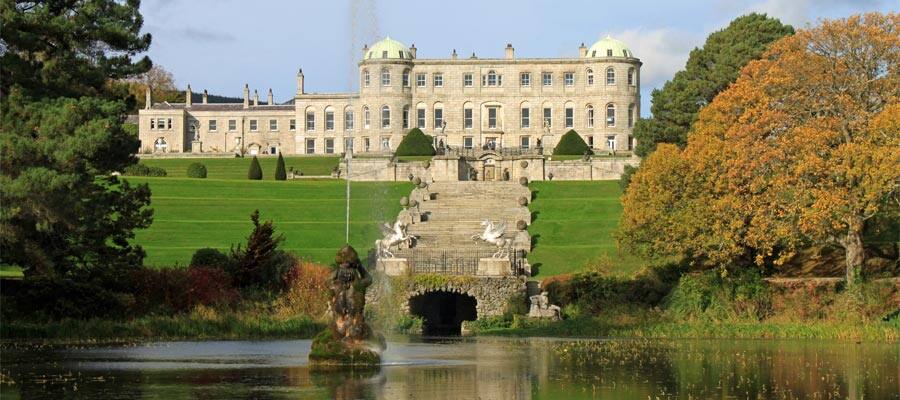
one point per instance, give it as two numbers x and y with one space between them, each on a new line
491 293
594 170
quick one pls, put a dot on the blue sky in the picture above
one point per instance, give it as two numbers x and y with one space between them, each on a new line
221 44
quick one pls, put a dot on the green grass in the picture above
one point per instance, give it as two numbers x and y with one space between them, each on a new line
10 272
573 224
193 213
236 168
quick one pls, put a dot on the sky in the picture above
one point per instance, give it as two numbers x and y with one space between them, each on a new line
220 45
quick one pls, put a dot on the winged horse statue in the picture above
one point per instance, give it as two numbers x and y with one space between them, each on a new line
393 236
493 234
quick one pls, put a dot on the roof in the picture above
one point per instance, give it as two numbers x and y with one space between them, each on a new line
608 45
388 48
222 107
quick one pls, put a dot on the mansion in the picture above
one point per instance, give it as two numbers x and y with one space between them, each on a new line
463 102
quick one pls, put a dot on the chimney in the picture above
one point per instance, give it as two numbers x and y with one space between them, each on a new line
205 96
365 50
246 96
269 98
300 81
412 50
147 100
510 52
187 96
582 50
453 55
255 98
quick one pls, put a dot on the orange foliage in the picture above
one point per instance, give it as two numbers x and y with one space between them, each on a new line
307 290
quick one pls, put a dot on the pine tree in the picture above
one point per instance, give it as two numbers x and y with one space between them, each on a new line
260 263
255 171
280 172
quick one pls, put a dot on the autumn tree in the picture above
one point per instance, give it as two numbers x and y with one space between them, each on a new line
161 84
803 149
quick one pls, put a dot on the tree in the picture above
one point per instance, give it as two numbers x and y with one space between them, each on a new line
161 84
571 144
280 173
801 150
255 171
416 143
708 71
63 135
260 263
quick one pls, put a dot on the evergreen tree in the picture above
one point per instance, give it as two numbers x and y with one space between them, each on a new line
260 263
63 137
709 70
255 171
280 172
571 144
416 143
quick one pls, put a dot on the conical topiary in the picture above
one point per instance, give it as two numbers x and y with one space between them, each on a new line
416 143
255 171
571 144
280 173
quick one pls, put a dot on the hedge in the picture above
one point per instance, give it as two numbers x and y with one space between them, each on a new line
196 170
416 143
143 170
571 144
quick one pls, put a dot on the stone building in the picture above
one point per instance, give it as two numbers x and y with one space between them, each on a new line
464 102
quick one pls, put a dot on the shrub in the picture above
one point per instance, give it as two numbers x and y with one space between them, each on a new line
210 286
625 178
306 290
196 170
261 264
255 171
143 170
280 172
715 295
210 257
571 144
416 143
53 297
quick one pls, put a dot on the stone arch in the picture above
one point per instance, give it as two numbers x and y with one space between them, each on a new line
443 311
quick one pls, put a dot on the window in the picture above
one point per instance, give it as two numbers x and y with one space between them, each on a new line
253 126
526 117
630 115
406 78
292 124
590 140
273 125
610 115
366 144
385 77
630 142
525 79
611 143
438 80
348 145
467 118
438 117
160 144
232 124
492 117
169 123
329 146
468 142
310 121
386 144
404 120
420 80
631 76
420 118
467 80
547 78
525 142
384 54
610 76
609 52
310 146
590 116
152 123
160 123
329 120
590 77
385 117
491 78
212 125
569 78
366 118
570 117
548 117
366 78
348 120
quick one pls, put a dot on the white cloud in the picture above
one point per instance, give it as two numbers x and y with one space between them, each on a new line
799 13
663 52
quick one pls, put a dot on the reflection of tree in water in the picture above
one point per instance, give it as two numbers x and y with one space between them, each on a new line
349 384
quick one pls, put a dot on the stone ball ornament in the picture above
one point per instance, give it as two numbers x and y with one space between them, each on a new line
413 203
523 181
404 201
523 201
521 225
417 181
523 164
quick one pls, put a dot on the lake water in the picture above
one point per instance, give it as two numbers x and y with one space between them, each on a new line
461 368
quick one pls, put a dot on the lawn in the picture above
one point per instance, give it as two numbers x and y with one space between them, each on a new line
573 224
236 168
193 213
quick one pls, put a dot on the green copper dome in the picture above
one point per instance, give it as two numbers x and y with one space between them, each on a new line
609 47
388 49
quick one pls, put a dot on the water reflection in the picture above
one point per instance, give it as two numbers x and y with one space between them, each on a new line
483 368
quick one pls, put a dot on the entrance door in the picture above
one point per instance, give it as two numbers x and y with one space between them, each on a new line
490 173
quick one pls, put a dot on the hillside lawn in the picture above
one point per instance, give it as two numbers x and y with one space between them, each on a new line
194 213
573 224
236 168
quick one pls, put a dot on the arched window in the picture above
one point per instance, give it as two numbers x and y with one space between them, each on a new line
610 115
631 76
590 77
630 115
491 78
366 117
404 120
406 78
589 112
365 78
438 116
160 145
385 117
610 76
385 77
348 119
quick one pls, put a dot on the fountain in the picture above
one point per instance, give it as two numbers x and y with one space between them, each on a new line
348 340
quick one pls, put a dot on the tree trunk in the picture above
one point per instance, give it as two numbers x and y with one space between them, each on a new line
854 252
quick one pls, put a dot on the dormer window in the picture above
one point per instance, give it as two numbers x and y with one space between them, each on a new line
384 54
609 52
401 53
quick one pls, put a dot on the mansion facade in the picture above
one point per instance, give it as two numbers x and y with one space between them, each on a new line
466 102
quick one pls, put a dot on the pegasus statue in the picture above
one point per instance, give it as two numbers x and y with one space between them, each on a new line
393 236
493 234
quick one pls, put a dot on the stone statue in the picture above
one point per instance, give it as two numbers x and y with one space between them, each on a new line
196 131
443 126
541 307
393 236
493 234
348 340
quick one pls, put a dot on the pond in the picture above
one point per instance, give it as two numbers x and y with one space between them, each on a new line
461 368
